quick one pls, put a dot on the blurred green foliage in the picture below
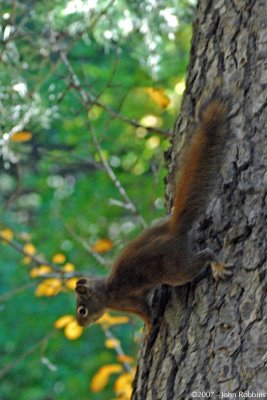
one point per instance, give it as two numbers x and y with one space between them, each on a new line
117 49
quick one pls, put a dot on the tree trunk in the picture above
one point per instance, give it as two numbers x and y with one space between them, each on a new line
208 336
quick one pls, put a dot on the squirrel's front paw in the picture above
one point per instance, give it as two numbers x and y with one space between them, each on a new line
221 271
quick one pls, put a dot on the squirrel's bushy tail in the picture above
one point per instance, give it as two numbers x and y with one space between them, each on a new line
201 166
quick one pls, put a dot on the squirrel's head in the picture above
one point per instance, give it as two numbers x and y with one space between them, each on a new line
90 301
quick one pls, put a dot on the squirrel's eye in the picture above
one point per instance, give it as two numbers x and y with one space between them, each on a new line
82 311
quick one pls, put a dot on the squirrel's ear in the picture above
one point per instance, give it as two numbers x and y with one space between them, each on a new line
84 287
81 289
82 281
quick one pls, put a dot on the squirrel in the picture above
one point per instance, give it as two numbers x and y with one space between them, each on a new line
163 253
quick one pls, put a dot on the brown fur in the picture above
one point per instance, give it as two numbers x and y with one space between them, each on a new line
201 166
162 254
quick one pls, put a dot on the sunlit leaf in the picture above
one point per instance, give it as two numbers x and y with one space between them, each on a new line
101 378
158 96
180 88
109 320
102 246
69 267
95 112
29 249
141 132
7 234
21 136
59 258
26 260
43 269
150 120
63 321
72 330
112 343
153 142
123 385
49 287
71 283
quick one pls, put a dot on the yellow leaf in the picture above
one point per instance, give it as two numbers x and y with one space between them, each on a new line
29 249
101 378
63 321
69 267
43 269
123 385
180 88
71 283
21 136
26 260
102 246
59 258
152 121
158 96
95 112
109 320
40 290
49 287
6 234
124 358
72 330
153 142
112 343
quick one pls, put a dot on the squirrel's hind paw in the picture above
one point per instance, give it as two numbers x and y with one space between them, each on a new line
221 271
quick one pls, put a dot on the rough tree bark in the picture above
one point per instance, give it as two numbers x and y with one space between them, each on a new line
213 336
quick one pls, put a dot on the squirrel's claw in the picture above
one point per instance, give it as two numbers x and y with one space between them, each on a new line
221 271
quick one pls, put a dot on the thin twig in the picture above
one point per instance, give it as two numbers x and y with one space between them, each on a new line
115 180
86 246
64 275
133 122
17 188
57 272
12 293
36 259
86 100
118 203
118 349
8 367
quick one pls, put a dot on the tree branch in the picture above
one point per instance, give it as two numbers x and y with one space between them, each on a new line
20 289
86 246
8 367
57 272
87 101
36 259
118 349
115 180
